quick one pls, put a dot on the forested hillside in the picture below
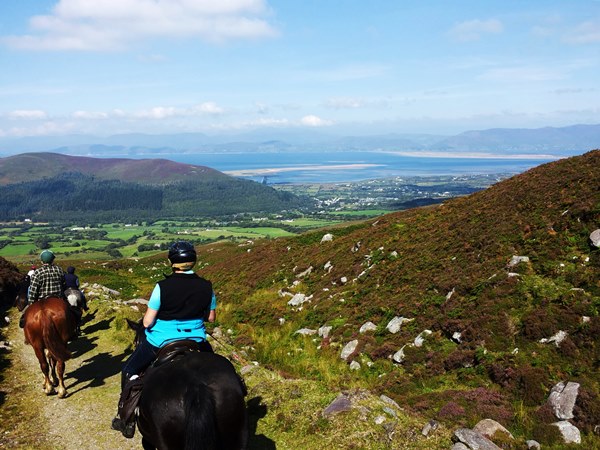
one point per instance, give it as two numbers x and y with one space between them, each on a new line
60 187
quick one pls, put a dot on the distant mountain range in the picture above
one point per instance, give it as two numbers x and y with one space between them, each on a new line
564 141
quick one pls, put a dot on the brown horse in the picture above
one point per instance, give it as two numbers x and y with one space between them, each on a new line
49 325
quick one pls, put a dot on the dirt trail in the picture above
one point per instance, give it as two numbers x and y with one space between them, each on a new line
79 422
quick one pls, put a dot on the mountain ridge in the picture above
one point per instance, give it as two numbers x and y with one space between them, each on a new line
564 141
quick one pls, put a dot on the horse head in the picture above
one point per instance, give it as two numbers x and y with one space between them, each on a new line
21 297
139 329
74 297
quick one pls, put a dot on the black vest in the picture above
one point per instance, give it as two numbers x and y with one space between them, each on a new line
184 296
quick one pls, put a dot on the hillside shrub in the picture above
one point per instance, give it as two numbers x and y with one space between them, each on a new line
587 411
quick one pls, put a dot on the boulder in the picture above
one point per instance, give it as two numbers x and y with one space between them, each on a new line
324 331
557 338
421 338
306 331
327 238
595 238
396 323
341 404
348 349
367 326
489 427
399 355
535 445
298 299
429 427
474 440
562 398
569 432
515 260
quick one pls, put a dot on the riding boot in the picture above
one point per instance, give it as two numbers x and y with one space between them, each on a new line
131 389
126 429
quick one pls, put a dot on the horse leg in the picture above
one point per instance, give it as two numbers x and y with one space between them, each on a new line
52 371
60 370
41 356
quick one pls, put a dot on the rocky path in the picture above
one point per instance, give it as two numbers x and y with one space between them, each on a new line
79 422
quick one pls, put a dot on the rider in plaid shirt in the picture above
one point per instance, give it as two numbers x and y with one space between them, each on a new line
47 280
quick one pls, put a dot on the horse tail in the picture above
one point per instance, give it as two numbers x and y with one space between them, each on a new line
52 338
200 426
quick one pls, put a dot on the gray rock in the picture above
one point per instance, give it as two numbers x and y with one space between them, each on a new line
396 323
399 355
515 260
367 326
595 238
535 445
474 440
489 427
354 365
341 404
306 331
418 342
459 446
556 338
562 398
570 432
389 401
327 237
349 349
429 427
298 299
324 331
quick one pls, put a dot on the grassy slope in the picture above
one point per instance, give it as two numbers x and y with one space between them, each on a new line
462 247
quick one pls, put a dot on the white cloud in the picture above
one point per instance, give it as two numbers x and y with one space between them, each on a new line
89 115
164 112
522 74
207 108
314 121
585 33
355 103
33 114
344 103
472 30
114 24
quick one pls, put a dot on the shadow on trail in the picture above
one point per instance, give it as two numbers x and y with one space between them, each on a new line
256 411
93 371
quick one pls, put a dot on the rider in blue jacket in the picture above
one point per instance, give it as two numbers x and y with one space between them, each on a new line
177 309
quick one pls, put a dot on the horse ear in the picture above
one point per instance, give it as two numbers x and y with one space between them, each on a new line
133 325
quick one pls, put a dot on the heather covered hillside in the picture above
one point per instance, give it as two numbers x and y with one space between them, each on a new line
497 295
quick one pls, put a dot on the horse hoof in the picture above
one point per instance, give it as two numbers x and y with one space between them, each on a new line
62 394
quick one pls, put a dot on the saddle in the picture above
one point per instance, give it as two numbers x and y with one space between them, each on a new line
174 349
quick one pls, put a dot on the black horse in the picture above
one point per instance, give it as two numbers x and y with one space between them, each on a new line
194 401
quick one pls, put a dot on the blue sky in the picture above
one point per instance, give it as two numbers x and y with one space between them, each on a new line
107 67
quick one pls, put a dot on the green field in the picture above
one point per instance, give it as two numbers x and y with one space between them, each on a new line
24 243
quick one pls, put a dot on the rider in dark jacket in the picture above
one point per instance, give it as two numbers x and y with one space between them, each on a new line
177 309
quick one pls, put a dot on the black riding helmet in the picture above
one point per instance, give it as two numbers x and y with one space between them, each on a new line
182 252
